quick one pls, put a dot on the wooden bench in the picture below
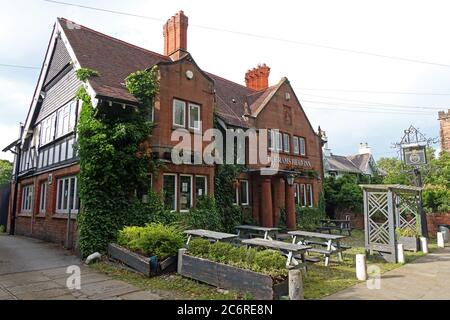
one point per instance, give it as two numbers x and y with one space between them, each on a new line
324 244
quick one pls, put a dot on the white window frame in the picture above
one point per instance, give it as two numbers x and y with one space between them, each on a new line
302 145
192 191
205 178
176 189
270 139
58 195
246 191
236 195
303 199
184 113
27 199
309 190
286 142
42 198
296 145
193 105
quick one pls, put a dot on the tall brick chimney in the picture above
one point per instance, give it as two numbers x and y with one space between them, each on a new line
258 78
444 119
175 36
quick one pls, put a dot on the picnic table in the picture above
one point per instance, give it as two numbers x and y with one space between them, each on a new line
289 249
331 242
210 235
335 224
266 233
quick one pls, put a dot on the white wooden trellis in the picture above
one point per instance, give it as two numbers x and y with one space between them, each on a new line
386 208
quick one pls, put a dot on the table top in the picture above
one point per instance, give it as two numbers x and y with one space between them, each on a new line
334 220
316 235
256 228
210 234
273 244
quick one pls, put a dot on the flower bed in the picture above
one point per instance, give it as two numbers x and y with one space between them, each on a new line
261 274
150 250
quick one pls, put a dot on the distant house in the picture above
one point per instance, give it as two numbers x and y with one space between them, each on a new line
362 164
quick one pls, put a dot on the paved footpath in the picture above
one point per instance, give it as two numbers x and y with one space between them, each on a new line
35 270
427 278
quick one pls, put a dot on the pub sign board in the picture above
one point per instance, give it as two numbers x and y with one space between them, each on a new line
415 156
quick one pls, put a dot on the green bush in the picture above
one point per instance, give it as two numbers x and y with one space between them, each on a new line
154 211
308 218
155 239
436 198
268 262
2 229
205 215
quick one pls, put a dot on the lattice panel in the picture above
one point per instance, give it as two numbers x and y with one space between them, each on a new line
378 215
407 205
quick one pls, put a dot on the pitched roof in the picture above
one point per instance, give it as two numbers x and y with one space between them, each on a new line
341 163
361 161
112 58
115 59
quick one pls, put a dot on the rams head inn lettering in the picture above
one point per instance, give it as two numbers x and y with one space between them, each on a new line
45 187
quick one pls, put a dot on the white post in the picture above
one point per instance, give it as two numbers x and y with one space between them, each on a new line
361 267
181 252
424 244
295 285
400 253
440 240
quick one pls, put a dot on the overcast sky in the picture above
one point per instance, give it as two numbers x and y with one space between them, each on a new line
408 29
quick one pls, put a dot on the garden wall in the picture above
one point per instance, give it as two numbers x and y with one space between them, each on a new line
435 219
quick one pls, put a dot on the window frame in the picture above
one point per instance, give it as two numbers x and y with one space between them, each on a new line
75 197
309 192
296 142
205 179
43 198
247 191
180 189
302 150
184 113
175 192
189 106
26 205
286 143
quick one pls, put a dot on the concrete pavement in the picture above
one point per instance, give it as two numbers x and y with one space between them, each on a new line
31 269
427 278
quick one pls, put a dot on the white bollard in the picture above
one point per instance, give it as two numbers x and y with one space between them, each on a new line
424 244
361 267
440 240
400 253
295 285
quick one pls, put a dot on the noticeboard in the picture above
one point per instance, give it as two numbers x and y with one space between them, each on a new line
415 156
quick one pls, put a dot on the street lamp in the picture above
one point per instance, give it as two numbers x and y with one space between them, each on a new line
290 180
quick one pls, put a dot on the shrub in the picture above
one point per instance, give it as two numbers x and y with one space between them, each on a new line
407 232
205 215
308 218
154 211
2 229
155 239
436 198
266 261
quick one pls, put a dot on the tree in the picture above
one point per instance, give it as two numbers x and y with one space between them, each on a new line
6 169
343 194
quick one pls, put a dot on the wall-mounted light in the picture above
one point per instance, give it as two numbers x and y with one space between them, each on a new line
290 179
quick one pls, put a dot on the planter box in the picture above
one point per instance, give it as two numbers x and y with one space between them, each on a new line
260 286
141 263
410 243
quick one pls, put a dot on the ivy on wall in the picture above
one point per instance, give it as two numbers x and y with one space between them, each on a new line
115 159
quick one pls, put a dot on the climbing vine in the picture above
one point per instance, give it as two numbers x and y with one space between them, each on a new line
115 159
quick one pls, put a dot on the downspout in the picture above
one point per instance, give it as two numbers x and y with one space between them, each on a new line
12 228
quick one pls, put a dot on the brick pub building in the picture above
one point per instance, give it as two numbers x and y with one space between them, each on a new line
46 162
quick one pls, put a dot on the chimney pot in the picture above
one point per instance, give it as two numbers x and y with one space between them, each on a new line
175 35
258 78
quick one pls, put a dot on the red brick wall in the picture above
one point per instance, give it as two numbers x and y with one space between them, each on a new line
49 226
435 219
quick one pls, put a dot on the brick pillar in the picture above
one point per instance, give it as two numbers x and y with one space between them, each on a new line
290 207
276 203
266 203
256 199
